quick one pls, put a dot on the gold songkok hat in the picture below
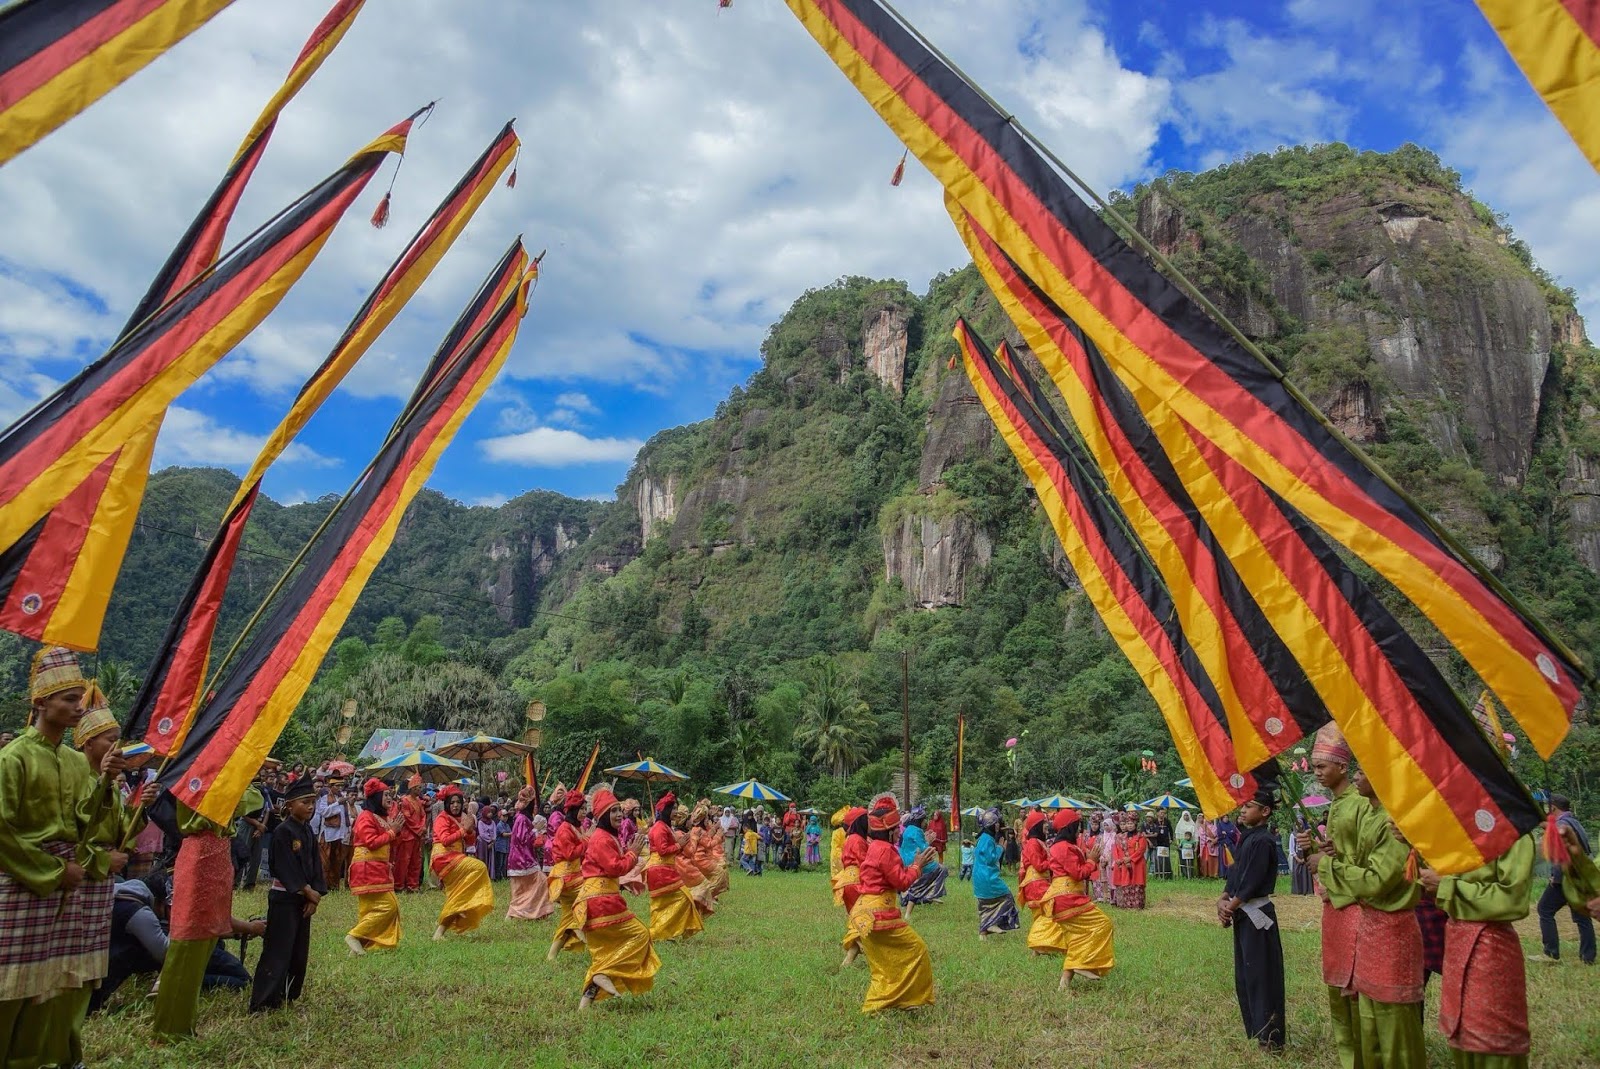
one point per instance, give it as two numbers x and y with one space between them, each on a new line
55 669
97 718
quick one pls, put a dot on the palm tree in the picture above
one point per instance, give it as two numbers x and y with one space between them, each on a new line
835 724
748 745
118 684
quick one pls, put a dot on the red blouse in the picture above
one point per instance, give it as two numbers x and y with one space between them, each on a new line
664 844
603 859
370 873
882 872
1069 860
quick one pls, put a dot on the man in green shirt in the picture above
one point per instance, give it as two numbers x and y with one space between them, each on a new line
1330 762
1483 1004
1387 973
54 887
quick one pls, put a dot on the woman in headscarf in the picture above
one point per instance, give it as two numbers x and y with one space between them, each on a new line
929 884
997 910
672 911
847 884
1045 936
813 840
371 878
530 894
705 851
566 862
622 956
468 895
902 975
1089 954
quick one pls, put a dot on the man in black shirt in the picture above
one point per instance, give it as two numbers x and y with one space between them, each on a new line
1246 907
297 887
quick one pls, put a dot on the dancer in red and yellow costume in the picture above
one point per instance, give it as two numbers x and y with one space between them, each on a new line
705 850
371 877
672 910
566 865
468 896
847 881
622 956
1045 936
1087 932
902 974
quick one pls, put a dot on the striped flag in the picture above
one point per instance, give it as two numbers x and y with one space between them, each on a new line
83 541
955 775
1557 45
172 687
238 724
1153 335
1403 720
1117 577
588 768
59 56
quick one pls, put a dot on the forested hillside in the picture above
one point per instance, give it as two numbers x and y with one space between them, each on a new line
752 601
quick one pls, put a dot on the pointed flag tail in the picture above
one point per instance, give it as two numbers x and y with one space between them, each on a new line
955 775
588 769
57 57
48 453
1117 577
257 692
89 532
1153 334
1557 45
1404 721
171 690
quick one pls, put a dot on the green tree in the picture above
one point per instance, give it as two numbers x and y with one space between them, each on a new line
836 726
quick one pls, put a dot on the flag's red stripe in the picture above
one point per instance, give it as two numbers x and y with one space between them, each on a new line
1586 13
71 48
341 12
22 469
1214 741
207 245
1153 336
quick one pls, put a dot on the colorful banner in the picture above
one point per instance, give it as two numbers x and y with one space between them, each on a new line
46 456
87 535
955 776
1557 45
172 686
588 769
1406 725
237 726
57 57
1116 576
1156 337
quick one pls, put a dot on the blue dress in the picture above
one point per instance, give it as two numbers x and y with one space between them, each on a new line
929 886
997 910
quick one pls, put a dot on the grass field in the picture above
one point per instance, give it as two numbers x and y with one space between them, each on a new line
762 987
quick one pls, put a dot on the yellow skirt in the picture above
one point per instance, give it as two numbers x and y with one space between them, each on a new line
673 915
468 896
625 954
377 921
567 924
1046 936
902 973
1089 944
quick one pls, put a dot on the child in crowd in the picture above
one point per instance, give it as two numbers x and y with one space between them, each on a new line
502 844
1186 850
750 858
966 860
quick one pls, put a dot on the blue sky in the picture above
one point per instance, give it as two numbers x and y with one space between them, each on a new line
691 172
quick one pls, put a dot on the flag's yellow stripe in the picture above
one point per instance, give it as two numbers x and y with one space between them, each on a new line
1560 60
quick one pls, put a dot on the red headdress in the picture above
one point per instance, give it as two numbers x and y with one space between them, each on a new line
1032 820
604 802
373 786
884 814
665 804
1063 819
574 800
449 790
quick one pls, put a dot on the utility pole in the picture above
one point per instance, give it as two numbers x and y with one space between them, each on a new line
905 729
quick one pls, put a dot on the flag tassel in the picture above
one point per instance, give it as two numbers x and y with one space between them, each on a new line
380 214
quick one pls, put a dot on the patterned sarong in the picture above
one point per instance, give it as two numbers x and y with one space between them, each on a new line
998 914
202 888
1339 928
929 887
54 944
1483 1004
1388 960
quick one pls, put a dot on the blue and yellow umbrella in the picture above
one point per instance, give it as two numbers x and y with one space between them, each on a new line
1167 801
754 790
430 766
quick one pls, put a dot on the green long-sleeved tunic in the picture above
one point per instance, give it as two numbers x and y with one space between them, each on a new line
49 794
1494 891
1374 871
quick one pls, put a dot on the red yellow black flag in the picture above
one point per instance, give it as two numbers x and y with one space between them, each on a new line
1557 45
249 705
83 540
171 690
49 453
57 57
1404 721
1192 371
1116 575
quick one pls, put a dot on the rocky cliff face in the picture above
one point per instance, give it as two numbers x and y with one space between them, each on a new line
936 558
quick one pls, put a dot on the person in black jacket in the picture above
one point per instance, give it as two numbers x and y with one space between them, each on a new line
1246 907
297 886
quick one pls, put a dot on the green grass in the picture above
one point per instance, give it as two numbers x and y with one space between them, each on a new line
762 987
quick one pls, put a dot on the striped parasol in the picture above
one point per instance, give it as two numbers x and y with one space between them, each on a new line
1167 801
483 748
430 766
649 770
754 790
1061 801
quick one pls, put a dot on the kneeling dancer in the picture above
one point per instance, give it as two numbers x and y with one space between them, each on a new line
622 957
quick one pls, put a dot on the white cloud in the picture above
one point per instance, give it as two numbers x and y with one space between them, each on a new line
492 501
549 447
577 402
192 437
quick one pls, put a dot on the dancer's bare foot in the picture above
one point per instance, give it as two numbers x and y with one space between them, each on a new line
603 982
356 949
438 934
1066 981
1086 974
588 997
850 956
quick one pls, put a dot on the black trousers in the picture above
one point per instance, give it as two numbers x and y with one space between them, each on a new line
1258 978
281 972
